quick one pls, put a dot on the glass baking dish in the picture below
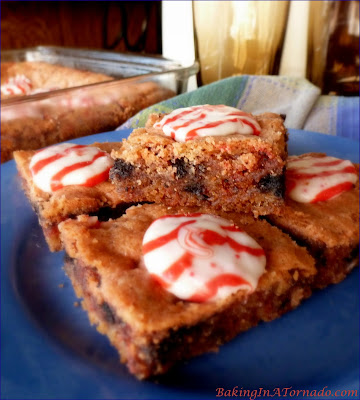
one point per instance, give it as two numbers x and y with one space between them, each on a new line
37 120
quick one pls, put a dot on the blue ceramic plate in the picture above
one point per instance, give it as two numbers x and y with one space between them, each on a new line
49 350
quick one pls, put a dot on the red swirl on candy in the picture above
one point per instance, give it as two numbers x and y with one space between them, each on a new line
201 257
310 179
69 164
188 123
17 85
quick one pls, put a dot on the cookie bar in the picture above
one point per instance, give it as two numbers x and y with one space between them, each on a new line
76 113
54 199
214 155
30 77
321 211
157 313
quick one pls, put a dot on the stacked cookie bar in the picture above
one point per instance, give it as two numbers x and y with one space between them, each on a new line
39 170
218 235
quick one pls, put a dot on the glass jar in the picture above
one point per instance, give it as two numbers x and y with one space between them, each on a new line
333 62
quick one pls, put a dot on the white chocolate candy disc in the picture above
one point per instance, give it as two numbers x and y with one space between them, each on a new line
185 124
16 85
311 179
201 257
69 164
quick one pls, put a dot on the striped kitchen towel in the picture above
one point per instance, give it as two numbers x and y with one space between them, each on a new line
302 103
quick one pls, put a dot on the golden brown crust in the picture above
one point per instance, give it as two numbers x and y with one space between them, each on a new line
234 172
151 328
125 282
49 76
330 229
271 141
66 202
76 113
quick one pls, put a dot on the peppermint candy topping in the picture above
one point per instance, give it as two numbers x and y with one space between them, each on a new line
189 123
16 85
311 179
69 164
202 257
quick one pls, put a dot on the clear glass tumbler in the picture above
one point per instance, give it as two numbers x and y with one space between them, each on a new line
239 37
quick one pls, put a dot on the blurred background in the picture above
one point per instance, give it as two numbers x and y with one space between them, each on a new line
317 40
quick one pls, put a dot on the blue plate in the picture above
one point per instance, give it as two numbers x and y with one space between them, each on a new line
50 351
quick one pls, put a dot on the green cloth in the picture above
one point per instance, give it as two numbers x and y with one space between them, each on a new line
296 98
